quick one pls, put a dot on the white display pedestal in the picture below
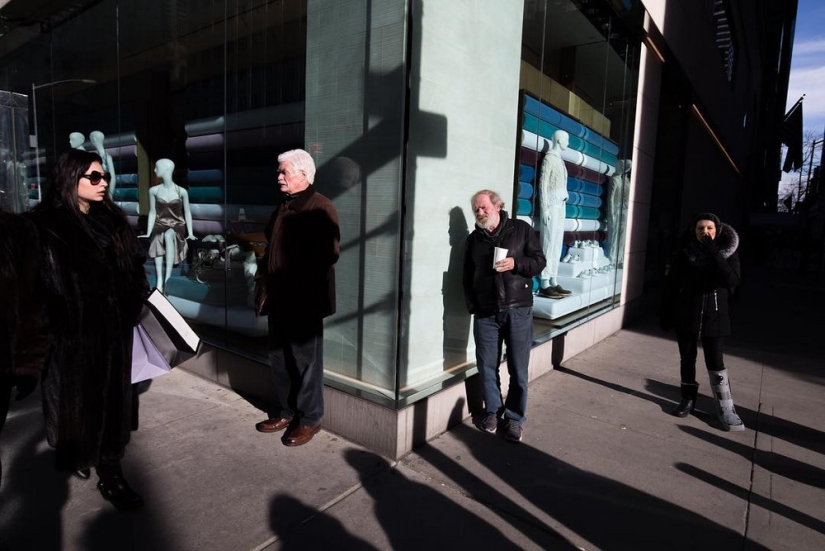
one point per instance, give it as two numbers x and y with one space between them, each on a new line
586 291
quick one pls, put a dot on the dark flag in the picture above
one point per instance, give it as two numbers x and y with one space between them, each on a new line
790 133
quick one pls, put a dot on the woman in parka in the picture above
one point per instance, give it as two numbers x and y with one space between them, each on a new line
92 270
704 272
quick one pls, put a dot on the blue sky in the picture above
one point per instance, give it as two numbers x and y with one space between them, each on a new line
807 77
808 64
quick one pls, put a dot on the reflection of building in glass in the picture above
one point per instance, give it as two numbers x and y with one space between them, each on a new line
14 138
408 108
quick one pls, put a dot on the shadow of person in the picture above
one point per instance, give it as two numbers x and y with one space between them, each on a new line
415 516
289 519
456 319
122 530
754 498
33 493
776 463
606 513
664 405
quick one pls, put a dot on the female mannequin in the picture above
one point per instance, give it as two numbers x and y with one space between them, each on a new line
169 214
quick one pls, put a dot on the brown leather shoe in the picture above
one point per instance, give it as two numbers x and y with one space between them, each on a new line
273 425
301 435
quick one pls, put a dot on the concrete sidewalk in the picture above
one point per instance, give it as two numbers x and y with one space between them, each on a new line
602 466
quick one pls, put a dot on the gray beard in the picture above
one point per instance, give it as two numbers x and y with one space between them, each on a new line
488 224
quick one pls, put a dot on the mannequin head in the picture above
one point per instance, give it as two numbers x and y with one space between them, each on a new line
164 168
623 166
97 138
76 140
561 138
705 224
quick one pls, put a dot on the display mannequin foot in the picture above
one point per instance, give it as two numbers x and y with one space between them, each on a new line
688 403
562 291
550 292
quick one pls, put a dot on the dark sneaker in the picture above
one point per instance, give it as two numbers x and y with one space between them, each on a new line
513 433
562 291
489 423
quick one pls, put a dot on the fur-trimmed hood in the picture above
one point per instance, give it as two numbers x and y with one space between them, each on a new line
727 240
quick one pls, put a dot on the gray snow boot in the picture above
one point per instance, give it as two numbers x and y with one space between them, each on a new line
720 386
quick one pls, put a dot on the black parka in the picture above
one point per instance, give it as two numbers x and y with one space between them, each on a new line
487 292
697 290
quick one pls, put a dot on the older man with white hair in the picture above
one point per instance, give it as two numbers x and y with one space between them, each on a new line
298 273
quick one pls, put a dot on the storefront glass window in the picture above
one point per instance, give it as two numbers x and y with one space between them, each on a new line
190 102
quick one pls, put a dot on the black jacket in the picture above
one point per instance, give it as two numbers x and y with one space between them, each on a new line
487 292
696 298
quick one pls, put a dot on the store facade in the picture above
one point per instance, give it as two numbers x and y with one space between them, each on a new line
408 107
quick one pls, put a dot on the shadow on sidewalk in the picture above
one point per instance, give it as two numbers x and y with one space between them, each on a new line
770 461
415 516
666 396
289 519
755 499
606 513
33 497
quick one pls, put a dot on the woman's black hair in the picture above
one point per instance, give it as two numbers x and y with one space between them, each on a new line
61 192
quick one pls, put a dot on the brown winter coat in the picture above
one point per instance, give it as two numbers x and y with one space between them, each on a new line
303 248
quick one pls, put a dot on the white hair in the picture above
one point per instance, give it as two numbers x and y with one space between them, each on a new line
300 160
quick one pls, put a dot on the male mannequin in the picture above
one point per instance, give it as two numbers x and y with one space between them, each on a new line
76 140
97 138
617 203
169 214
552 199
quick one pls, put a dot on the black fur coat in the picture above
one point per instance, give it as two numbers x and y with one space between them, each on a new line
93 300
696 298
22 329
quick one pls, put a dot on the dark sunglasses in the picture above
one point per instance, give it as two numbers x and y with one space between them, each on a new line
95 177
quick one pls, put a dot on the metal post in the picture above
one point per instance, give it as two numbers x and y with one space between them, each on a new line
36 143
34 109
810 167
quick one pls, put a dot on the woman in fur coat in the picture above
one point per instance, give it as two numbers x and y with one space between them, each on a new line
94 282
23 337
703 274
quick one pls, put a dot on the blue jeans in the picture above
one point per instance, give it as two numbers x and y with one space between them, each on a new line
514 328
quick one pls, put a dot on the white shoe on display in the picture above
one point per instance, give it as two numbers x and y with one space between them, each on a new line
567 257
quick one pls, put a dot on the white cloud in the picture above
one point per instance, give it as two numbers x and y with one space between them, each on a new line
808 48
809 81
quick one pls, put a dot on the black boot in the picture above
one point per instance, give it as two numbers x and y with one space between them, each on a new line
685 407
114 488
